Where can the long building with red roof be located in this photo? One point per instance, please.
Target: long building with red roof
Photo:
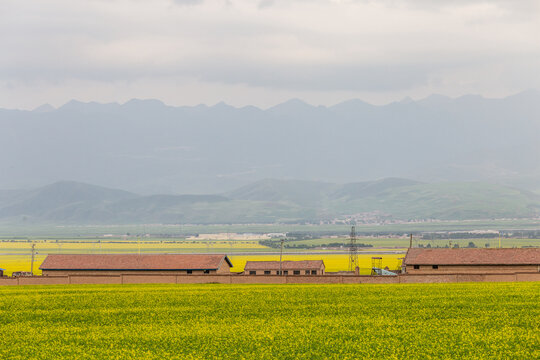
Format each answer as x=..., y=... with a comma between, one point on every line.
x=301, y=267
x=468, y=261
x=156, y=264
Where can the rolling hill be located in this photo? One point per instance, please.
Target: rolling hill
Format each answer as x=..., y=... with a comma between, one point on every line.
x=269, y=201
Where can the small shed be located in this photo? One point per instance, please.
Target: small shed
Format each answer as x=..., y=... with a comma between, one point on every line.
x=155, y=264
x=301, y=267
x=2, y=271
x=470, y=261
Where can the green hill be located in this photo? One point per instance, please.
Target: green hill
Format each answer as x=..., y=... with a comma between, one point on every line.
x=302, y=193
x=448, y=201
x=270, y=201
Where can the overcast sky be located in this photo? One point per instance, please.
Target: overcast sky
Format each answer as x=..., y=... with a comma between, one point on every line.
x=187, y=52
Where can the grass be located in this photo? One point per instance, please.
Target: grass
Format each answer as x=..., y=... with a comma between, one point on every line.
x=420, y=321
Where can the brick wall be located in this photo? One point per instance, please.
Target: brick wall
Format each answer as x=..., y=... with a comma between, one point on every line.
x=472, y=269
x=261, y=279
x=226, y=270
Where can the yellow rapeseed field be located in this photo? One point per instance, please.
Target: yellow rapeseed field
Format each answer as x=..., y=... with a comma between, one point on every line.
x=332, y=262
x=20, y=263
x=213, y=321
x=16, y=256
x=337, y=262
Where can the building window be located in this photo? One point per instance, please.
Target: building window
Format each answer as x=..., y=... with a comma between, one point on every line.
x=313, y=272
x=267, y=272
x=435, y=266
x=286, y=272
x=416, y=267
x=207, y=271
x=296, y=272
x=278, y=272
x=307, y=272
x=190, y=272
x=252, y=272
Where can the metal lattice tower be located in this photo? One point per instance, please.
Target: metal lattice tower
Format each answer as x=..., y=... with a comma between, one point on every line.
x=353, y=251
x=376, y=261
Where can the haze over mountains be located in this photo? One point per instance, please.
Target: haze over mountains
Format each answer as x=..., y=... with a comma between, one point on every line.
x=269, y=201
x=146, y=147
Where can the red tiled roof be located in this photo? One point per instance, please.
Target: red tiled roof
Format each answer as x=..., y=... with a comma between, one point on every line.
x=518, y=256
x=286, y=265
x=134, y=262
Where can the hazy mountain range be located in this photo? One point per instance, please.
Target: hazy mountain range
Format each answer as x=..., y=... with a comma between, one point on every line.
x=147, y=147
x=269, y=201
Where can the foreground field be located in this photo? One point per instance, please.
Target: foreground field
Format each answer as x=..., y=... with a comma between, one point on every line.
x=475, y=321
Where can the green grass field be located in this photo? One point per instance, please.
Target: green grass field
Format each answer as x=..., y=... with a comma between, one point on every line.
x=78, y=231
x=421, y=321
x=403, y=242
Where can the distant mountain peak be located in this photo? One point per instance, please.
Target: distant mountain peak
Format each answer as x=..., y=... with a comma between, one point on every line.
x=470, y=97
x=222, y=105
x=292, y=105
x=44, y=108
x=435, y=100
x=295, y=101
x=351, y=103
x=72, y=105
x=406, y=100
x=527, y=95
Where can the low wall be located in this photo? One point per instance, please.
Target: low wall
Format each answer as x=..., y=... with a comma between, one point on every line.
x=148, y=279
x=43, y=280
x=267, y=279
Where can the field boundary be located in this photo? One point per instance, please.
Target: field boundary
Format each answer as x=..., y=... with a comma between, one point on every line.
x=266, y=279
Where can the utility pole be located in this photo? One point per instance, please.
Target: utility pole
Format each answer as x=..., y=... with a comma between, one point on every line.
x=410, y=241
x=353, y=252
x=281, y=257
x=32, y=261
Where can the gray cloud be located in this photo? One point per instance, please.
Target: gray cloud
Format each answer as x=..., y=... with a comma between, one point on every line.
x=292, y=47
x=319, y=77
x=266, y=4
